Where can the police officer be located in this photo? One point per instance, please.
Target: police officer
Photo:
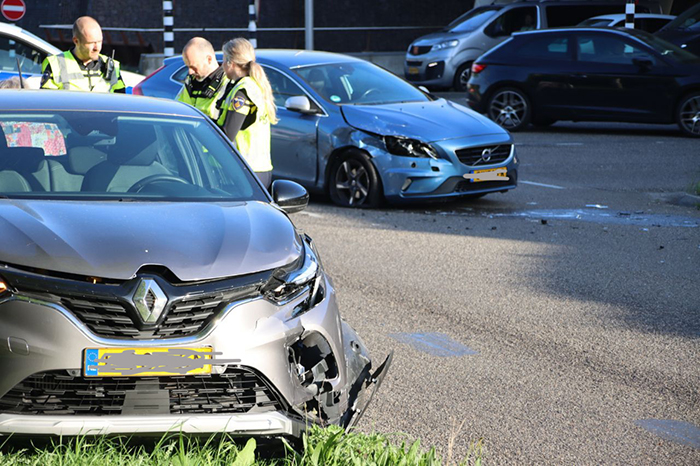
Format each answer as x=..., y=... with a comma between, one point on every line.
x=83, y=68
x=249, y=109
x=205, y=85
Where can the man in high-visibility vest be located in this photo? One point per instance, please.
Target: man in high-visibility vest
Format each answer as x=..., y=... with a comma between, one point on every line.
x=83, y=68
x=205, y=85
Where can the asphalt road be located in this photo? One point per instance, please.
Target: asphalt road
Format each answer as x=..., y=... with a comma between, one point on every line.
x=557, y=332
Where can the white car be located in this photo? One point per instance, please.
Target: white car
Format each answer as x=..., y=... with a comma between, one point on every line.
x=645, y=21
x=31, y=51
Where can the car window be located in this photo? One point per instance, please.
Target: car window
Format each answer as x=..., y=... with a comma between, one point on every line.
x=570, y=15
x=652, y=24
x=471, y=20
x=180, y=75
x=111, y=155
x=30, y=59
x=282, y=86
x=358, y=83
x=597, y=23
x=609, y=49
x=513, y=20
x=546, y=47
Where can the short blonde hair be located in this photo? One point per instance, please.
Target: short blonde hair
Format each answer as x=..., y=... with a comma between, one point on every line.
x=11, y=83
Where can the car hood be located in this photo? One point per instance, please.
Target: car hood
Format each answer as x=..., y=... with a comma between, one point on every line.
x=195, y=241
x=427, y=121
x=437, y=37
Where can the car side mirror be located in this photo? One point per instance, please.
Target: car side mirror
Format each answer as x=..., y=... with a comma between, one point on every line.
x=289, y=196
x=299, y=103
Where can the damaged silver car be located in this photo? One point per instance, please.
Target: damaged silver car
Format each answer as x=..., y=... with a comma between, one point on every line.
x=150, y=284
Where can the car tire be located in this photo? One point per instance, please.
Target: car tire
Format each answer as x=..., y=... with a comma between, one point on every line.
x=462, y=75
x=354, y=182
x=510, y=108
x=688, y=114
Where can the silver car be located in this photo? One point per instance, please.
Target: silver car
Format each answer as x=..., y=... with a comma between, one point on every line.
x=444, y=59
x=149, y=284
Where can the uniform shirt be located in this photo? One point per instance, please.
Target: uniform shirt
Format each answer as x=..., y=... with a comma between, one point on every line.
x=207, y=94
x=242, y=116
x=95, y=69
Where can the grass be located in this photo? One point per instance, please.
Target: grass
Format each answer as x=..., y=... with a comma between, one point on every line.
x=329, y=446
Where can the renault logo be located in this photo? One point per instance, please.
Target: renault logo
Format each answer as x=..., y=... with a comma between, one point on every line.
x=149, y=300
x=486, y=154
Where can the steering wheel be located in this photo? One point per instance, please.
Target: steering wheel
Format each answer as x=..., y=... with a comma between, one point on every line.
x=369, y=92
x=139, y=185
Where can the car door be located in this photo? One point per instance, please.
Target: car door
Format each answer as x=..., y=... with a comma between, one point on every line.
x=616, y=77
x=11, y=49
x=294, y=147
x=549, y=60
x=511, y=20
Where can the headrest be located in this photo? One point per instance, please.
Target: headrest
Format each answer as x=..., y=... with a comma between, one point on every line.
x=22, y=159
x=83, y=158
x=136, y=145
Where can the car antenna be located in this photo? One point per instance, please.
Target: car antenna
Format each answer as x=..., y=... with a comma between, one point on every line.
x=19, y=70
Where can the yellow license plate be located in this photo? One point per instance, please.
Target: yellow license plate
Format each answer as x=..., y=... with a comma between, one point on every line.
x=140, y=362
x=413, y=70
x=499, y=173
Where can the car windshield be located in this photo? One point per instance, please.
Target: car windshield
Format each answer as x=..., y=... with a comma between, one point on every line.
x=119, y=156
x=668, y=49
x=471, y=20
x=687, y=20
x=359, y=83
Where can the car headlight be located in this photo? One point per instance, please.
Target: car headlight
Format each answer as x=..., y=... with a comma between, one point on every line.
x=409, y=147
x=448, y=44
x=303, y=277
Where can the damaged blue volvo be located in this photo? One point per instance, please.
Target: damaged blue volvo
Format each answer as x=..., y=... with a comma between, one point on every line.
x=363, y=135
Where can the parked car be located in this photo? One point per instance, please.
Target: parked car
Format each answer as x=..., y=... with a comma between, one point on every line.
x=644, y=21
x=444, y=59
x=684, y=31
x=149, y=283
x=31, y=50
x=587, y=74
x=349, y=128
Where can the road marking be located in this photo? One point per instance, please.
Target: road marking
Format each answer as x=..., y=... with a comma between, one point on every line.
x=437, y=344
x=676, y=431
x=542, y=184
x=569, y=144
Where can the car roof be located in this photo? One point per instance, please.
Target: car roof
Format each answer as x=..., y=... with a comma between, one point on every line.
x=25, y=99
x=615, y=30
x=289, y=58
x=18, y=32
x=619, y=16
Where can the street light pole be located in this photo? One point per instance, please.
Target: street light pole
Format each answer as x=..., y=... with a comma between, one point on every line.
x=309, y=24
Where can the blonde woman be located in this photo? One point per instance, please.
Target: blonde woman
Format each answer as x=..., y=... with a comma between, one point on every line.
x=249, y=109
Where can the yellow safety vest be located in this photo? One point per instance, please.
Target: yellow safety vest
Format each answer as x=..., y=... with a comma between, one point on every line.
x=253, y=142
x=206, y=105
x=68, y=75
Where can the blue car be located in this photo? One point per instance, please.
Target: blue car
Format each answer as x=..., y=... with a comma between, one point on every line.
x=363, y=135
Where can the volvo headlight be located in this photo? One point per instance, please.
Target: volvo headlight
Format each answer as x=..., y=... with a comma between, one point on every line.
x=301, y=278
x=409, y=147
x=448, y=44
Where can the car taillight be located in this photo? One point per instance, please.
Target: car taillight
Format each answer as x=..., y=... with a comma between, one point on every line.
x=477, y=68
x=3, y=287
x=137, y=88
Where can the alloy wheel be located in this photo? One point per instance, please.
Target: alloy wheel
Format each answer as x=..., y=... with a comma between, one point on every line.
x=509, y=109
x=352, y=182
x=690, y=115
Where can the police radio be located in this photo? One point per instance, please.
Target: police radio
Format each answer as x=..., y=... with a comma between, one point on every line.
x=110, y=67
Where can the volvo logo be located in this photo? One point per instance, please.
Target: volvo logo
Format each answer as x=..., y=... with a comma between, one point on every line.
x=149, y=300
x=486, y=154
